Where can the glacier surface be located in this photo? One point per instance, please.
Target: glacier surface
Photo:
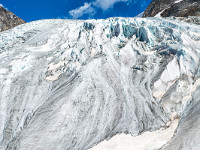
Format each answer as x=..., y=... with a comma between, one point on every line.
x=70, y=84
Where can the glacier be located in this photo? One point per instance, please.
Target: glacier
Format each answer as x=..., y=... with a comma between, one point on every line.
x=70, y=84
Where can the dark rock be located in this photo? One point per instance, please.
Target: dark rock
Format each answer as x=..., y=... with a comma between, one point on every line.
x=8, y=19
x=169, y=8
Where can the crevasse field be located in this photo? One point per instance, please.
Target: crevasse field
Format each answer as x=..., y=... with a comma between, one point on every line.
x=68, y=85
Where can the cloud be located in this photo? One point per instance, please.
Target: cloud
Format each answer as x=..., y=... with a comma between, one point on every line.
x=85, y=9
x=90, y=8
x=106, y=4
x=143, y=4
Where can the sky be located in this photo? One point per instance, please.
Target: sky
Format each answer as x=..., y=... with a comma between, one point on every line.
x=30, y=10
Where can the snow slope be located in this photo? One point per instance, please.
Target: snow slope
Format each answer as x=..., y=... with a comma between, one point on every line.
x=70, y=84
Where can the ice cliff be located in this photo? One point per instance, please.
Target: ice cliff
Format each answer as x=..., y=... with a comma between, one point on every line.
x=69, y=84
